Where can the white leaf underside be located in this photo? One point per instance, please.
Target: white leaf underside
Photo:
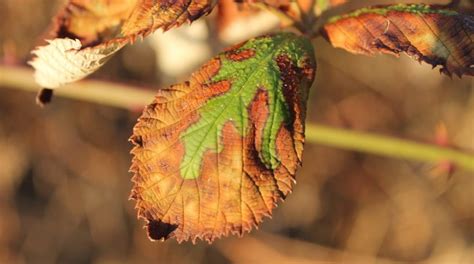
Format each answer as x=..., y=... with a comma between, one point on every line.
x=64, y=61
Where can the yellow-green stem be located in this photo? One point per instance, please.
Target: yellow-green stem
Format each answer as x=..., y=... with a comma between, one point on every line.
x=386, y=146
x=128, y=97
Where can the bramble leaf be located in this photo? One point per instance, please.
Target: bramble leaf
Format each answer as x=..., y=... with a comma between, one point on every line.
x=432, y=34
x=87, y=32
x=214, y=154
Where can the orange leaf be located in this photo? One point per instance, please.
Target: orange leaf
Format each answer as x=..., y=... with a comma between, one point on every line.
x=214, y=154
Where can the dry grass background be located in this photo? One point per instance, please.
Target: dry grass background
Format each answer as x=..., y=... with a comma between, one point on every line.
x=64, y=183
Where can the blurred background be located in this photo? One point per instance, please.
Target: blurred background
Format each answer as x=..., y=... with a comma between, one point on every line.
x=64, y=184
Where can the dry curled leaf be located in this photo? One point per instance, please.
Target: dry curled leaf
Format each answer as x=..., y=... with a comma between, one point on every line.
x=151, y=15
x=213, y=155
x=87, y=32
x=432, y=34
x=64, y=60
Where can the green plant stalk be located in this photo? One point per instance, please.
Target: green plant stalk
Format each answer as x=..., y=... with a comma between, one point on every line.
x=386, y=146
x=122, y=96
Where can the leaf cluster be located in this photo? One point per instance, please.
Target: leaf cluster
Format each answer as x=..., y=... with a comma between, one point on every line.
x=236, y=128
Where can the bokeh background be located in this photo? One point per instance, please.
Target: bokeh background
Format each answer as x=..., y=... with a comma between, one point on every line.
x=64, y=184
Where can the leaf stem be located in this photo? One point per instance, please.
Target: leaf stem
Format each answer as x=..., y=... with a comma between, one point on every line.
x=283, y=15
x=128, y=97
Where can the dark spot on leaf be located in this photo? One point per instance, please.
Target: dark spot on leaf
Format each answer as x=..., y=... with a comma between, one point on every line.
x=158, y=230
x=291, y=76
x=44, y=97
x=281, y=194
x=284, y=8
x=137, y=141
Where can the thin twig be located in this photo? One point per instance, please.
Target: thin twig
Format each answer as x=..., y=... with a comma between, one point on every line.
x=104, y=93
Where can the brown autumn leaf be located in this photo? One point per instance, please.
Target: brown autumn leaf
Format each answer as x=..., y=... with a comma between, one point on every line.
x=92, y=22
x=150, y=15
x=87, y=32
x=432, y=34
x=215, y=154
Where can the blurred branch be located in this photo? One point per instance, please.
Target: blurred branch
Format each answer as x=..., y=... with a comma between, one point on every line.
x=386, y=146
x=128, y=97
x=100, y=92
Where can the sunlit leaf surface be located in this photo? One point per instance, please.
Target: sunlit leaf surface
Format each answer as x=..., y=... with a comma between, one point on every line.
x=431, y=34
x=213, y=155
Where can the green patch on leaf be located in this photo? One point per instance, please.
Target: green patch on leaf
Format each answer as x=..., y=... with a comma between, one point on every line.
x=247, y=76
